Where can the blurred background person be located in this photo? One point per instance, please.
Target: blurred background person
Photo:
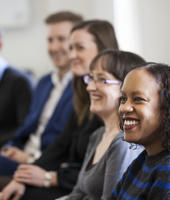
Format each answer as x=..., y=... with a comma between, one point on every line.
x=52, y=100
x=87, y=40
x=15, y=98
x=138, y=26
x=55, y=173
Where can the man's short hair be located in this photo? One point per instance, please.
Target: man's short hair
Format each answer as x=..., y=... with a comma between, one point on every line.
x=64, y=16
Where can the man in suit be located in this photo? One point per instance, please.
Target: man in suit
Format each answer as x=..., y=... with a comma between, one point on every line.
x=52, y=100
x=15, y=98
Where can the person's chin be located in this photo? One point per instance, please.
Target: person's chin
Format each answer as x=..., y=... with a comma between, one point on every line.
x=131, y=136
x=94, y=110
x=78, y=73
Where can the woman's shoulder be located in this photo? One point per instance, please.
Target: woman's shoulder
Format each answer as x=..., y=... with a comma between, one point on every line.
x=119, y=142
x=126, y=151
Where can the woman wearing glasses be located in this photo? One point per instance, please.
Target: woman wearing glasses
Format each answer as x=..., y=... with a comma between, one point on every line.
x=107, y=156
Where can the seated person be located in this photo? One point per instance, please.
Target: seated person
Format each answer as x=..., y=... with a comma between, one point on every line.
x=55, y=173
x=145, y=115
x=108, y=155
x=15, y=98
x=52, y=100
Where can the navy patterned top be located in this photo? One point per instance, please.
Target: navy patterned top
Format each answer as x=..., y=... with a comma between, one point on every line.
x=147, y=178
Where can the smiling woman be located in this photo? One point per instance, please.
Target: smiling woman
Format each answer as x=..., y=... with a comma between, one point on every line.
x=87, y=39
x=145, y=114
x=101, y=92
x=82, y=51
x=140, y=110
x=107, y=155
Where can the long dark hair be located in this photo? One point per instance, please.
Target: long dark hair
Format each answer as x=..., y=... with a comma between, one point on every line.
x=105, y=38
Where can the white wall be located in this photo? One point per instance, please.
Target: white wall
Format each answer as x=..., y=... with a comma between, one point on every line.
x=126, y=24
x=26, y=47
x=154, y=17
x=143, y=27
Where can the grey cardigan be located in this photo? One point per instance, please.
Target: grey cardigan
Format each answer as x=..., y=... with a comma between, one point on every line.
x=96, y=182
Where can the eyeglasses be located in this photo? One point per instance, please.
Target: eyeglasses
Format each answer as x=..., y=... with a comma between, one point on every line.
x=101, y=81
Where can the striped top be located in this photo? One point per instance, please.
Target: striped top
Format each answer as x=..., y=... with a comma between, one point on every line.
x=147, y=178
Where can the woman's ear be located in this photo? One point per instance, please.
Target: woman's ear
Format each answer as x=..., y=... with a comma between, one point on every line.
x=1, y=45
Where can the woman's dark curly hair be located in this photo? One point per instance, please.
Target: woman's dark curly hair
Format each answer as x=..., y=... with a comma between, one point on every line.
x=161, y=73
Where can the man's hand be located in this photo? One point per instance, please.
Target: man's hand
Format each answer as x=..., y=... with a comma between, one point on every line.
x=15, y=154
x=14, y=190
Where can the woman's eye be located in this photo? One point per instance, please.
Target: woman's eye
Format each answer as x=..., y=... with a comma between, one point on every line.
x=91, y=77
x=123, y=99
x=101, y=80
x=138, y=99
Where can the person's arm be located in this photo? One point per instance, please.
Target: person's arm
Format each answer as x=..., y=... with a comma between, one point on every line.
x=68, y=174
x=22, y=97
x=36, y=176
x=119, y=157
x=49, y=161
x=15, y=154
x=13, y=189
x=77, y=193
x=30, y=122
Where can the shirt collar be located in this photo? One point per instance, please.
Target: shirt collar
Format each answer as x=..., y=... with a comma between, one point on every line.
x=55, y=78
x=3, y=66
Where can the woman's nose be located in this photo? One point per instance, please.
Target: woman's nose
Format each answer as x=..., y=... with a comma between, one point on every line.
x=91, y=86
x=125, y=107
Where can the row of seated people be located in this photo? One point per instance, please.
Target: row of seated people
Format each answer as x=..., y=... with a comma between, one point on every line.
x=55, y=172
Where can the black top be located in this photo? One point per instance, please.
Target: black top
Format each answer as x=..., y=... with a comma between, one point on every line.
x=15, y=99
x=67, y=153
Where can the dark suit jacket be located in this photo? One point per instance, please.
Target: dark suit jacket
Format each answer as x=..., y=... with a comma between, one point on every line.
x=57, y=121
x=15, y=99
